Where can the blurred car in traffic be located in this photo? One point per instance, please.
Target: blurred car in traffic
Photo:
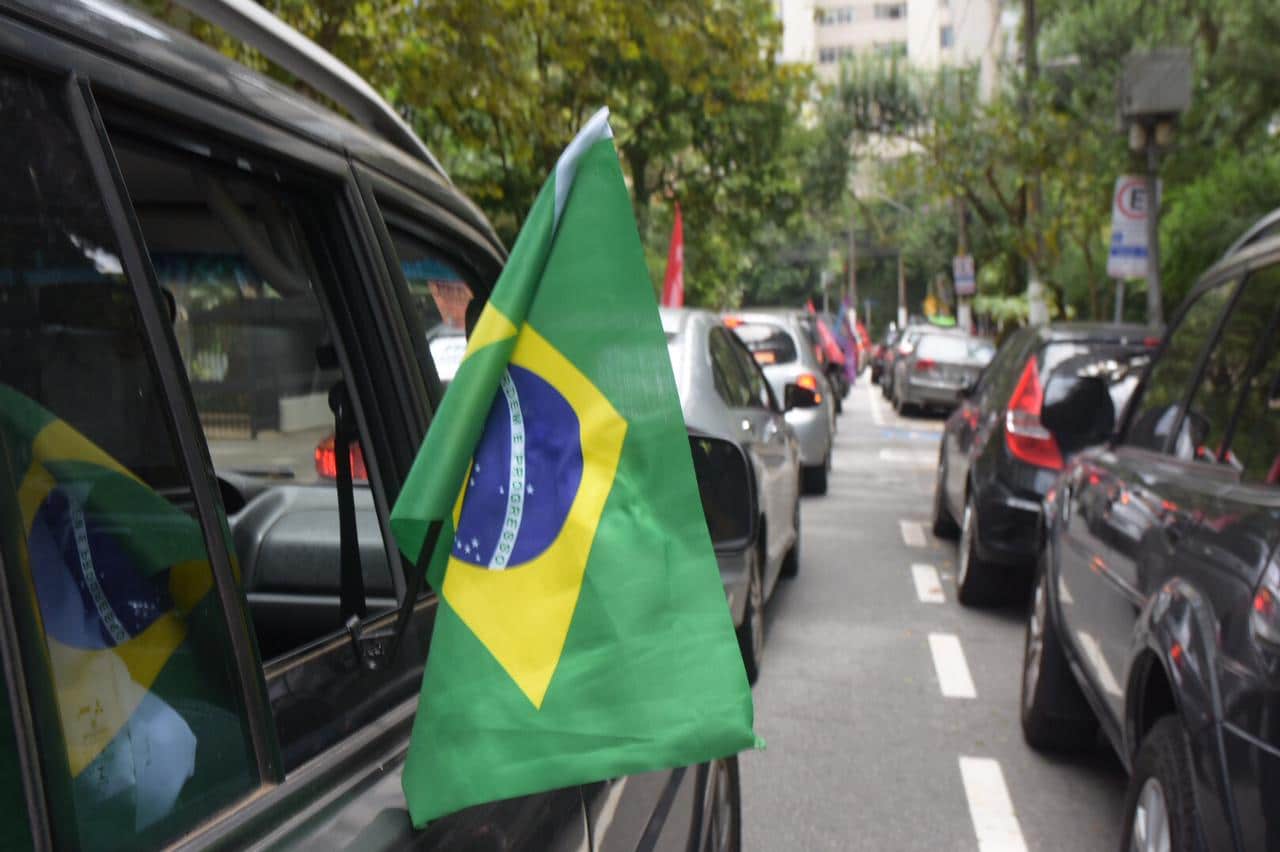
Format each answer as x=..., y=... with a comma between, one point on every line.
x=880, y=352
x=1003, y=447
x=724, y=395
x=781, y=343
x=831, y=355
x=939, y=365
x=1156, y=608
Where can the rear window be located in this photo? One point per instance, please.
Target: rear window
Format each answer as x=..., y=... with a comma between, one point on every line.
x=769, y=343
x=955, y=349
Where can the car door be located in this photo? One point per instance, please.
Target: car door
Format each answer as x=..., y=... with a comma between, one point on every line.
x=1116, y=543
x=778, y=452
x=977, y=416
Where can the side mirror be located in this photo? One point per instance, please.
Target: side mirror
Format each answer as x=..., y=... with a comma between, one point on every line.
x=727, y=488
x=795, y=396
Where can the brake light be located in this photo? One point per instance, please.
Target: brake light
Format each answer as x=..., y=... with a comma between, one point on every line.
x=923, y=365
x=733, y=322
x=808, y=381
x=1151, y=342
x=327, y=461
x=1264, y=615
x=1024, y=434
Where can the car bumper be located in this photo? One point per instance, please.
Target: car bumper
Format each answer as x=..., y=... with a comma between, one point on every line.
x=813, y=433
x=1008, y=525
x=735, y=575
x=917, y=392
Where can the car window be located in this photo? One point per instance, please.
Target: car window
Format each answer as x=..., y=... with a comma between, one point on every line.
x=1253, y=439
x=955, y=349
x=439, y=293
x=15, y=828
x=1203, y=431
x=1003, y=371
x=731, y=384
x=760, y=394
x=1156, y=409
x=125, y=635
x=768, y=343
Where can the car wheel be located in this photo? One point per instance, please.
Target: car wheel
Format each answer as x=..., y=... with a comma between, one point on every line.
x=944, y=526
x=1160, y=813
x=901, y=406
x=751, y=633
x=1055, y=716
x=722, y=804
x=815, y=477
x=791, y=562
x=975, y=580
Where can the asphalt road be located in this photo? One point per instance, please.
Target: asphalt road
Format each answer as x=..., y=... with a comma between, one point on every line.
x=890, y=711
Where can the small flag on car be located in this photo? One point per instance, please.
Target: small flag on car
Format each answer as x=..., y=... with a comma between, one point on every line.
x=582, y=631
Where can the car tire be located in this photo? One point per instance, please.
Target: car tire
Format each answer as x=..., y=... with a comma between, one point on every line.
x=1160, y=795
x=1055, y=715
x=975, y=579
x=944, y=526
x=901, y=406
x=751, y=633
x=722, y=807
x=791, y=562
x=815, y=477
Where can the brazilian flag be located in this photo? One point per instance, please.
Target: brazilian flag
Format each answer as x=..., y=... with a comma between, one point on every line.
x=582, y=632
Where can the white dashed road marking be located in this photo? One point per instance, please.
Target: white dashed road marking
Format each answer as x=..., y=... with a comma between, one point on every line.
x=917, y=458
x=990, y=807
x=949, y=663
x=875, y=404
x=928, y=586
x=912, y=533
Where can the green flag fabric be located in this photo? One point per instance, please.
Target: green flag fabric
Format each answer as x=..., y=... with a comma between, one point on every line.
x=583, y=631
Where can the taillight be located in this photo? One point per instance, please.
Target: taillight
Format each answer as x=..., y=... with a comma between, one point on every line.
x=1264, y=614
x=1024, y=434
x=327, y=461
x=733, y=322
x=808, y=381
x=923, y=365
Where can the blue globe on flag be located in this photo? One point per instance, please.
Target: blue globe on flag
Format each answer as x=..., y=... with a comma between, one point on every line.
x=525, y=474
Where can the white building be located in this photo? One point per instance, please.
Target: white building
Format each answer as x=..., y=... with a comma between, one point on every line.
x=929, y=34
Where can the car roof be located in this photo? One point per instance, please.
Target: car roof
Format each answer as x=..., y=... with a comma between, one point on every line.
x=677, y=320
x=1102, y=332
x=129, y=35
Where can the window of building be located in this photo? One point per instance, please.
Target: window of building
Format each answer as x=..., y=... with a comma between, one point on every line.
x=835, y=15
x=891, y=11
x=946, y=37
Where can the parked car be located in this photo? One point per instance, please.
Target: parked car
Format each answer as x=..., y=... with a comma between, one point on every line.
x=880, y=353
x=205, y=275
x=782, y=345
x=724, y=394
x=1005, y=444
x=901, y=348
x=1156, y=608
x=940, y=365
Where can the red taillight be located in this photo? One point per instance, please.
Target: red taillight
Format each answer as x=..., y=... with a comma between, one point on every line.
x=1151, y=342
x=808, y=381
x=1024, y=434
x=327, y=461
x=1264, y=620
x=925, y=364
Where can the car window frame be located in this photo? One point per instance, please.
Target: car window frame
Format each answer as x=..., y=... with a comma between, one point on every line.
x=748, y=364
x=718, y=331
x=1220, y=278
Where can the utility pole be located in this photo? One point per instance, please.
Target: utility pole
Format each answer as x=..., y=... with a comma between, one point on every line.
x=902, y=293
x=853, y=269
x=1037, y=310
x=964, y=311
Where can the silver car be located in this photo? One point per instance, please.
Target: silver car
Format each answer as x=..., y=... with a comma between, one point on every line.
x=724, y=394
x=781, y=343
x=935, y=366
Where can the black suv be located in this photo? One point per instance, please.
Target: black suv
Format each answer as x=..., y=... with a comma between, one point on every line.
x=1003, y=447
x=1156, y=610
x=214, y=376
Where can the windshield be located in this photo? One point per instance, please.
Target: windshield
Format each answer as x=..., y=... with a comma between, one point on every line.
x=955, y=349
x=769, y=343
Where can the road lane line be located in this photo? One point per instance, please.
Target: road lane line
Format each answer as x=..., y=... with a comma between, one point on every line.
x=912, y=533
x=875, y=404
x=950, y=665
x=928, y=586
x=990, y=807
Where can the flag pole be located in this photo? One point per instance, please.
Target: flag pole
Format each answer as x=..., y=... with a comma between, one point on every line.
x=377, y=650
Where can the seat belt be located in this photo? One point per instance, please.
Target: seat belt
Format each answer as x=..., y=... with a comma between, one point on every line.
x=351, y=594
